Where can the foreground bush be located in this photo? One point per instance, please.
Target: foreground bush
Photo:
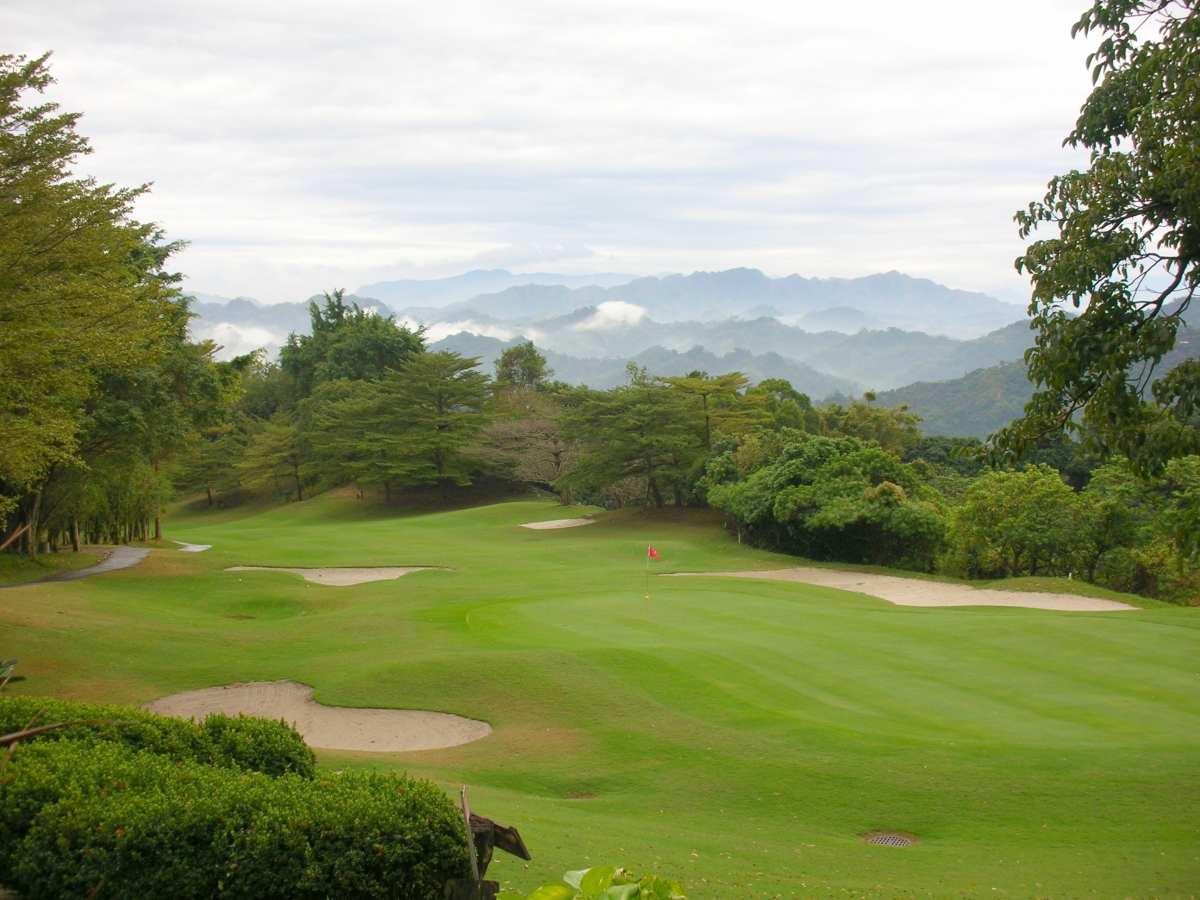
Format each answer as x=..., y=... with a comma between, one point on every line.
x=609, y=883
x=258, y=745
x=153, y=822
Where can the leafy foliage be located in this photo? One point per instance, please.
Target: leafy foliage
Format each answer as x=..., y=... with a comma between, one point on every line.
x=609, y=883
x=150, y=826
x=829, y=498
x=1110, y=290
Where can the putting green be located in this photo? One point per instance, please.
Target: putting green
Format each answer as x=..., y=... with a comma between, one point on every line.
x=737, y=734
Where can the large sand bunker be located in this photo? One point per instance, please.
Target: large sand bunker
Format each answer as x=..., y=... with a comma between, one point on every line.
x=339, y=577
x=559, y=523
x=327, y=727
x=915, y=592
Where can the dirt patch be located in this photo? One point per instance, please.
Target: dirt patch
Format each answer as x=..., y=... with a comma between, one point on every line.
x=915, y=592
x=338, y=577
x=559, y=523
x=327, y=727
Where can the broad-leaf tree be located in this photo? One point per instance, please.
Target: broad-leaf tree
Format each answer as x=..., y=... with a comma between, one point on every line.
x=82, y=285
x=1115, y=277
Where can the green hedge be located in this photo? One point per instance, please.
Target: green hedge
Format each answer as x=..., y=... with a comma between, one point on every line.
x=155, y=824
x=258, y=745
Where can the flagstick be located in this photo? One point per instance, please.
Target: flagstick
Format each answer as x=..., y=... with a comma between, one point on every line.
x=647, y=574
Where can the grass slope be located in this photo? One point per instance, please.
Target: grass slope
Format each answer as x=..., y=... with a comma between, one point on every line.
x=738, y=735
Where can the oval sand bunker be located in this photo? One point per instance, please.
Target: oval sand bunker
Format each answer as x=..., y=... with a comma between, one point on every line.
x=560, y=523
x=327, y=727
x=339, y=577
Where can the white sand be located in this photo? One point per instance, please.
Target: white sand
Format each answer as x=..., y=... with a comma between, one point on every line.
x=327, y=727
x=192, y=548
x=915, y=592
x=560, y=523
x=339, y=577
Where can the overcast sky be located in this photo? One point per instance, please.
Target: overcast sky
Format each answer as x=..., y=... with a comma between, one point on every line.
x=306, y=146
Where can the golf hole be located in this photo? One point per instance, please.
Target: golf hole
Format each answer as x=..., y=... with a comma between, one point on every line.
x=890, y=839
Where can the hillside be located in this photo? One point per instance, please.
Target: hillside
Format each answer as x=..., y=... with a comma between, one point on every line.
x=975, y=405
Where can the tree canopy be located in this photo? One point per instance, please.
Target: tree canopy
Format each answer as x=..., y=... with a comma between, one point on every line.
x=1113, y=283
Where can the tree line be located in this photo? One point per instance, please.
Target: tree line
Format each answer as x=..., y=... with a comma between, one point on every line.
x=108, y=409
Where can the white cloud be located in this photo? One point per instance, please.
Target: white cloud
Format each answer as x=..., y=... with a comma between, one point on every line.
x=611, y=314
x=236, y=340
x=439, y=330
x=307, y=146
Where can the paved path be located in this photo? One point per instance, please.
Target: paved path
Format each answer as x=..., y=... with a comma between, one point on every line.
x=119, y=558
x=917, y=592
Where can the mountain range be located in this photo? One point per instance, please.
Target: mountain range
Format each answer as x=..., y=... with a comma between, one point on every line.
x=888, y=300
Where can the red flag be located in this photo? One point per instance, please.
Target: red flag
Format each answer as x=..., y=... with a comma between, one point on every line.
x=651, y=553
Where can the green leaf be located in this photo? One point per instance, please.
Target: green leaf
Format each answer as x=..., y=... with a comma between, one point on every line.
x=619, y=892
x=574, y=877
x=595, y=881
x=553, y=892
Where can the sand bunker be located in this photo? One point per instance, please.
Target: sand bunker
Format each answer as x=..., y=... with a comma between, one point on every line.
x=339, y=577
x=915, y=592
x=192, y=548
x=560, y=523
x=327, y=727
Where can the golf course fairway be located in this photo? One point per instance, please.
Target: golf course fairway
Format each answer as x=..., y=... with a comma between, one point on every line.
x=738, y=735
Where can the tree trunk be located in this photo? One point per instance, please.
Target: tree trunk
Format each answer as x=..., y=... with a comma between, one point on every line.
x=74, y=534
x=157, y=511
x=656, y=494
x=387, y=491
x=31, y=536
x=210, y=500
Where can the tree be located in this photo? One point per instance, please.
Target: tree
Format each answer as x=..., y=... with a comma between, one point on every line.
x=82, y=287
x=1015, y=523
x=787, y=407
x=829, y=498
x=522, y=366
x=524, y=440
x=346, y=342
x=276, y=453
x=1112, y=286
x=640, y=430
x=721, y=404
x=895, y=429
x=439, y=400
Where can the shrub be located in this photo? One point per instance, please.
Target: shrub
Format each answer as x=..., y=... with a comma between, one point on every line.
x=77, y=812
x=609, y=883
x=258, y=745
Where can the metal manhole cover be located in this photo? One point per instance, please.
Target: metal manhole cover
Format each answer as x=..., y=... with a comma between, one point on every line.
x=890, y=840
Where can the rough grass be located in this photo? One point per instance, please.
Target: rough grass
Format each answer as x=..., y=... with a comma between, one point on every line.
x=738, y=735
x=17, y=568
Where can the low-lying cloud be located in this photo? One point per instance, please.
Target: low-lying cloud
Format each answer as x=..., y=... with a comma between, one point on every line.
x=611, y=314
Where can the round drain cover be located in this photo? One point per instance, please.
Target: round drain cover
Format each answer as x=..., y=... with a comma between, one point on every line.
x=891, y=840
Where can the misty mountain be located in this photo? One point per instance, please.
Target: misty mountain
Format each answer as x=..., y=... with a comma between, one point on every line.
x=438, y=292
x=608, y=372
x=888, y=300
x=877, y=360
